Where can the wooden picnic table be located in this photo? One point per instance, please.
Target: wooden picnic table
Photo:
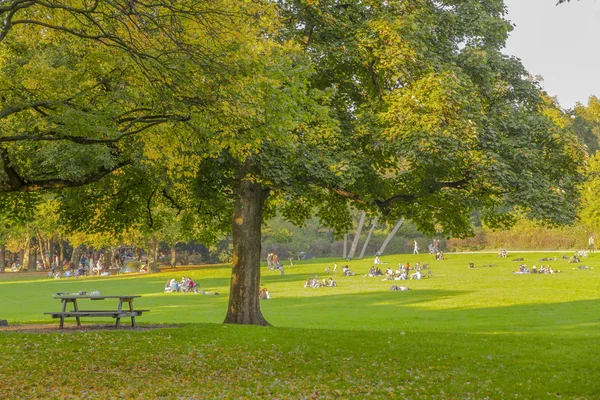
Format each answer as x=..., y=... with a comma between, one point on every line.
x=78, y=313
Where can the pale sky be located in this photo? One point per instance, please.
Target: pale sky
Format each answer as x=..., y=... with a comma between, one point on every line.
x=560, y=43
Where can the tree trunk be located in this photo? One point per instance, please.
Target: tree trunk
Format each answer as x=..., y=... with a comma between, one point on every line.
x=364, y=248
x=156, y=251
x=244, y=306
x=2, y=258
x=173, y=257
x=21, y=256
x=32, y=258
x=150, y=251
x=51, y=250
x=357, y=235
x=75, y=255
x=345, y=251
x=61, y=246
x=112, y=262
x=42, y=249
x=26, y=255
x=390, y=236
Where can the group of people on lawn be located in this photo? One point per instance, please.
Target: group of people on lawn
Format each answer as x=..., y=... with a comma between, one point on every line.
x=315, y=283
x=535, y=270
x=402, y=273
x=186, y=285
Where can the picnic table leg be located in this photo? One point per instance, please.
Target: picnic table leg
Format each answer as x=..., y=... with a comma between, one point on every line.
x=118, y=324
x=131, y=310
x=62, y=315
x=75, y=308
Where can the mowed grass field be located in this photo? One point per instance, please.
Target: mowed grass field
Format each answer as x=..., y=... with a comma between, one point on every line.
x=463, y=334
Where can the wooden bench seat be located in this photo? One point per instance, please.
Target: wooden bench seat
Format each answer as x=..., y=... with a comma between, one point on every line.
x=97, y=313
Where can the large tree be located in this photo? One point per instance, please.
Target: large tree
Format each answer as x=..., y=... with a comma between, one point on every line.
x=405, y=108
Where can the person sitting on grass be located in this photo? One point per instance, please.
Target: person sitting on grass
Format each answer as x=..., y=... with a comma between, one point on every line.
x=542, y=270
x=331, y=283
x=312, y=282
x=263, y=294
x=315, y=282
x=346, y=271
x=401, y=274
x=523, y=270
x=389, y=274
x=416, y=275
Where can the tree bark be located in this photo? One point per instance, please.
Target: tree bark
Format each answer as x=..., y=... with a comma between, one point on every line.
x=75, y=255
x=173, y=257
x=150, y=251
x=26, y=255
x=390, y=236
x=51, y=249
x=2, y=258
x=244, y=306
x=357, y=235
x=42, y=249
x=61, y=245
x=32, y=258
x=21, y=256
x=345, y=251
x=364, y=248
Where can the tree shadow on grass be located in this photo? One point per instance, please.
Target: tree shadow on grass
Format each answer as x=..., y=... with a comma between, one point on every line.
x=408, y=311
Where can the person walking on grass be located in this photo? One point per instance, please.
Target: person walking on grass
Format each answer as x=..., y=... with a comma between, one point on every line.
x=591, y=243
x=416, y=248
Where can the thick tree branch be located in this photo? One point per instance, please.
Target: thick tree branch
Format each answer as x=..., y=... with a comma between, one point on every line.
x=14, y=179
x=16, y=183
x=174, y=204
x=57, y=136
x=149, y=208
x=385, y=204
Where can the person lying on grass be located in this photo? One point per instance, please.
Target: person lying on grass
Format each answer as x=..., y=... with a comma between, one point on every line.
x=399, y=288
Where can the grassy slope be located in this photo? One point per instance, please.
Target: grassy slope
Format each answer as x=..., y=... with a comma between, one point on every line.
x=466, y=333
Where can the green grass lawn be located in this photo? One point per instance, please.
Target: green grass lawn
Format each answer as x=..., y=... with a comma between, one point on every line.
x=465, y=333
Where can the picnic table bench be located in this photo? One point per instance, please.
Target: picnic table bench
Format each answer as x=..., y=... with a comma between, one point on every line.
x=77, y=313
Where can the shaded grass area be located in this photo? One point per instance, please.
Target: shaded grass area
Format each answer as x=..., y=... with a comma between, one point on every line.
x=466, y=333
x=217, y=361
